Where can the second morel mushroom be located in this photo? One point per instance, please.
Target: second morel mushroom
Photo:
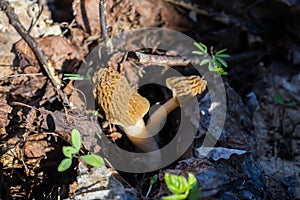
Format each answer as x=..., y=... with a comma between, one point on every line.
x=125, y=107
x=184, y=89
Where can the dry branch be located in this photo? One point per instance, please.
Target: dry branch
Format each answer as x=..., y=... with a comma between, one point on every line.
x=102, y=15
x=150, y=59
x=14, y=21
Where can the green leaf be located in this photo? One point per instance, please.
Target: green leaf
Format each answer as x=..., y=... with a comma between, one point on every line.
x=216, y=62
x=198, y=53
x=175, y=197
x=93, y=160
x=291, y=104
x=223, y=62
x=191, y=180
x=69, y=151
x=223, y=73
x=194, y=192
x=72, y=75
x=204, y=62
x=221, y=51
x=220, y=71
x=76, y=139
x=74, y=78
x=64, y=164
x=210, y=66
x=153, y=179
x=88, y=73
x=223, y=55
x=202, y=47
x=215, y=68
x=199, y=47
x=279, y=98
x=176, y=184
x=96, y=112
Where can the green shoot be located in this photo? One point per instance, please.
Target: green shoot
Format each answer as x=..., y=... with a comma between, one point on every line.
x=182, y=188
x=214, y=61
x=193, y=187
x=96, y=113
x=79, y=77
x=65, y=164
x=73, y=151
x=153, y=180
x=280, y=99
x=75, y=77
x=76, y=139
x=93, y=160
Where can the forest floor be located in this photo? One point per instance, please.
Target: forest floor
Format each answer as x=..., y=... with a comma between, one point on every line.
x=255, y=157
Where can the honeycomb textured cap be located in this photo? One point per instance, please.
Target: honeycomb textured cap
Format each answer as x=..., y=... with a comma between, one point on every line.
x=186, y=86
x=122, y=105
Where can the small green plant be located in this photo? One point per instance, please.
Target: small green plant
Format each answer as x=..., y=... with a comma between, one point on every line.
x=79, y=77
x=72, y=151
x=182, y=188
x=280, y=99
x=153, y=180
x=75, y=77
x=96, y=113
x=214, y=61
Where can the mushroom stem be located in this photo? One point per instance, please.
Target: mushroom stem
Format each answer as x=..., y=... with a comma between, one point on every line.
x=184, y=89
x=140, y=137
x=171, y=105
x=158, y=118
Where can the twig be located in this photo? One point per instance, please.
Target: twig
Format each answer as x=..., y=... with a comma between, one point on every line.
x=150, y=59
x=35, y=20
x=102, y=14
x=14, y=21
x=163, y=60
x=18, y=75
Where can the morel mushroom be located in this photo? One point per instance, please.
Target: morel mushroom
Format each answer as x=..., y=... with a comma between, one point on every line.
x=125, y=107
x=184, y=89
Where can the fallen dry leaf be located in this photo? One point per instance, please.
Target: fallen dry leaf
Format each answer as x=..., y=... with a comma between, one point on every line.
x=49, y=94
x=35, y=149
x=115, y=135
x=27, y=87
x=87, y=15
x=27, y=11
x=9, y=158
x=56, y=48
x=5, y=109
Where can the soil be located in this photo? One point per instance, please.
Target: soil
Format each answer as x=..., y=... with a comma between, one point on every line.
x=257, y=154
